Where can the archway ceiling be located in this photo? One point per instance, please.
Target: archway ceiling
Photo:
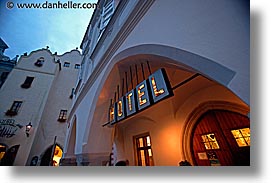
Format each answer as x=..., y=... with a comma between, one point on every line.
x=176, y=74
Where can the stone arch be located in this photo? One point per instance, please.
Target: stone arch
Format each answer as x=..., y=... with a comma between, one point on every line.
x=182, y=58
x=70, y=149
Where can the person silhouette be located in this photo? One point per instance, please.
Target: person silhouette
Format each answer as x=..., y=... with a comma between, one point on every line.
x=184, y=163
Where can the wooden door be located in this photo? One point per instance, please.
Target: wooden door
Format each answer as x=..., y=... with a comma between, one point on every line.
x=221, y=138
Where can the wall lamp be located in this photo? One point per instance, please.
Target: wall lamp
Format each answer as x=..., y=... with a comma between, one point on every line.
x=28, y=128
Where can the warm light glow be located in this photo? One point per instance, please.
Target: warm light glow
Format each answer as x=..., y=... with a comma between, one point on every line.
x=140, y=94
x=129, y=101
x=150, y=152
x=57, y=156
x=144, y=151
x=142, y=156
x=148, y=141
x=112, y=114
x=28, y=127
x=156, y=91
x=119, y=108
x=242, y=136
x=63, y=115
x=140, y=142
x=2, y=155
x=2, y=151
x=210, y=141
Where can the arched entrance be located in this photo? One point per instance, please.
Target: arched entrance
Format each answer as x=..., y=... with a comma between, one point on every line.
x=3, y=149
x=190, y=89
x=52, y=156
x=9, y=157
x=221, y=138
x=72, y=139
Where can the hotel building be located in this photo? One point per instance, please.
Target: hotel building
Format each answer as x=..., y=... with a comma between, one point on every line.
x=163, y=82
x=35, y=102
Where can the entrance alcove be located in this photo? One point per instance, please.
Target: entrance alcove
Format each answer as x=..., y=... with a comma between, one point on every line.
x=191, y=87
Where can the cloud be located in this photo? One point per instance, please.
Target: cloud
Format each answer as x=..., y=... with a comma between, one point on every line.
x=29, y=29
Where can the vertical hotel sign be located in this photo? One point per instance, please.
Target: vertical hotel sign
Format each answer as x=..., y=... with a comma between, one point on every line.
x=145, y=94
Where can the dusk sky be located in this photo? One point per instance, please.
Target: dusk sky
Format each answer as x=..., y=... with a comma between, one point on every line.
x=26, y=30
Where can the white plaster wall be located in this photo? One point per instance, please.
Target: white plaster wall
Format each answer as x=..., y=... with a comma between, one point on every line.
x=58, y=99
x=34, y=99
x=27, y=62
x=42, y=102
x=217, y=30
x=82, y=115
x=85, y=114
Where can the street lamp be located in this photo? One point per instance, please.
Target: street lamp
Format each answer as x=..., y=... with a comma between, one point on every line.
x=28, y=128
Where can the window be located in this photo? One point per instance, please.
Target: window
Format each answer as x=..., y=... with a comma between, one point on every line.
x=28, y=82
x=66, y=64
x=4, y=75
x=242, y=136
x=72, y=93
x=62, y=116
x=144, y=150
x=77, y=66
x=209, y=141
x=39, y=62
x=14, y=108
x=107, y=12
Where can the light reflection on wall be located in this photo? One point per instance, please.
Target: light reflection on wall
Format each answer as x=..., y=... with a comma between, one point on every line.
x=172, y=139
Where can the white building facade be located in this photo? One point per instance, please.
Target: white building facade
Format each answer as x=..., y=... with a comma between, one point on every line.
x=165, y=82
x=38, y=92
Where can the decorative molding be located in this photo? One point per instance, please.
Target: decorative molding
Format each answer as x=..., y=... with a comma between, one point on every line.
x=35, y=51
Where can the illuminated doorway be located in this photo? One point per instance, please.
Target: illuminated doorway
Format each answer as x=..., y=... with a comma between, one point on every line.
x=57, y=155
x=9, y=157
x=3, y=150
x=221, y=138
x=52, y=156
